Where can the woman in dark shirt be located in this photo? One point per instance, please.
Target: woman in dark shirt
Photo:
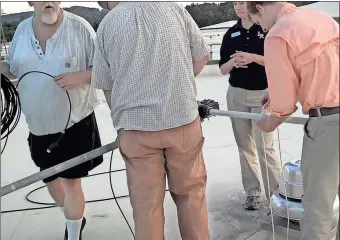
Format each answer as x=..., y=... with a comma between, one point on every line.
x=241, y=56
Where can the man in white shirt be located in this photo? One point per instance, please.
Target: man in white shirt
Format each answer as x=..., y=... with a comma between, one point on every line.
x=61, y=45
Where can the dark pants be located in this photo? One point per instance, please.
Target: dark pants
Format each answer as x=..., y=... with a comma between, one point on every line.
x=82, y=137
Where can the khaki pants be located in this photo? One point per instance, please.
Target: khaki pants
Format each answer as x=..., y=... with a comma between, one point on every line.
x=320, y=170
x=177, y=153
x=249, y=139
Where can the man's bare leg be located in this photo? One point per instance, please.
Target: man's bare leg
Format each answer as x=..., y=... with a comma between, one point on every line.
x=69, y=196
x=74, y=206
x=56, y=190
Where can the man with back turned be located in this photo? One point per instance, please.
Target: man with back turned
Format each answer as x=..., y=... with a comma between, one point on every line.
x=147, y=56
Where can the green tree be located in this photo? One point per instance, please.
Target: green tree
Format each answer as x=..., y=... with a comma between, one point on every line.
x=207, y=14
x=204, y=14
x=9, y=30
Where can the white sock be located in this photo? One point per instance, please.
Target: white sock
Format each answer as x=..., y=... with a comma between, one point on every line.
x=73, y=229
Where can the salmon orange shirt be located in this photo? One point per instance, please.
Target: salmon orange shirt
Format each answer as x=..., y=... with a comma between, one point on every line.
x=301, y=55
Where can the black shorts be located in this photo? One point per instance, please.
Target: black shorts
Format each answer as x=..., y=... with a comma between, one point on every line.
x=82, y=137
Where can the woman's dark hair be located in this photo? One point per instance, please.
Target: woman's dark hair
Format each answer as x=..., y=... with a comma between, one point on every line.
x=251, y=6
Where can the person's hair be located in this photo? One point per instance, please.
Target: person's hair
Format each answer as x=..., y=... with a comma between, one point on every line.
x=251, y=6
x=104, y=4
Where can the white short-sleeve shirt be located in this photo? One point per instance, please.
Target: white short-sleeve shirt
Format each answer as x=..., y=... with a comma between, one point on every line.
x=71, y=49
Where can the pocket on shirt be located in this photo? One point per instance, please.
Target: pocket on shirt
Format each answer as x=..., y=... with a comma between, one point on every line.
x=68, y=64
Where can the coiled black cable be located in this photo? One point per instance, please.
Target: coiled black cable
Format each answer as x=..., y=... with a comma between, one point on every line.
x=11, y=108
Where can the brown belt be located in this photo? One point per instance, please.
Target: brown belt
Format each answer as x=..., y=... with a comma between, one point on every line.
x=324, y=111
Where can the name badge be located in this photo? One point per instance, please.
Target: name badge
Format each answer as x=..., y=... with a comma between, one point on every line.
x=235, y=34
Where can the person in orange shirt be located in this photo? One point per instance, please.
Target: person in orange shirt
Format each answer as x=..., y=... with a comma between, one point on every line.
x=301, y=55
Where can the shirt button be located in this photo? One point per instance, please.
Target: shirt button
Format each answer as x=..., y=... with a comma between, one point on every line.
x=247, y=38
x=38, y=47
x=40, y=54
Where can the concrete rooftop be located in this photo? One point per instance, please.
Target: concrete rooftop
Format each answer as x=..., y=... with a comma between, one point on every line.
x=228, y=219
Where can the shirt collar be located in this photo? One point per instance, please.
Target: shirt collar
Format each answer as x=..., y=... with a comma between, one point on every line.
x=238, y=25
x=286, y=8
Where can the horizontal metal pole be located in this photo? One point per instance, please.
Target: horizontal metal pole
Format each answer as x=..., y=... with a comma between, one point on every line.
x=205, y=28
x=112, y=146
x=58, y=168
x=253, y=116
x=214, y=43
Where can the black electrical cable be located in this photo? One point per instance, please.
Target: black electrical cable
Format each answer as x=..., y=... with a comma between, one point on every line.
x=3, y=148
x=54, y=144
x=114, y=196
x=53, y=205
x=11, y=108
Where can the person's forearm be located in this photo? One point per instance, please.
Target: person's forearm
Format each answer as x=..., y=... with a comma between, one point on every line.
x=85, y=76
x=107, y=94
x=270, y=123
x=227, y=67
x=200, y=64
x=258, y=59
x=4, y=69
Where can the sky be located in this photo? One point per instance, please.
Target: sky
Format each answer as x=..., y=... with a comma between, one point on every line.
x=17, y=6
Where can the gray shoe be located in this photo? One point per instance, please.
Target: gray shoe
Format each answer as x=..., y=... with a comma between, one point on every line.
x=83, y=223
x=252, y=203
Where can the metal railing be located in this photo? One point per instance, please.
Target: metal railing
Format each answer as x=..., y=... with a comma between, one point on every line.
x=211, y=48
